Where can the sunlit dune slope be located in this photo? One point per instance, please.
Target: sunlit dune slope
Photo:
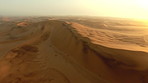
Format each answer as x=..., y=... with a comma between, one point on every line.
x=66, y=52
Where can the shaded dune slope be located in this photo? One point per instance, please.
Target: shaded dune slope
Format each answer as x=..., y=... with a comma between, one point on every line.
x=62, y=52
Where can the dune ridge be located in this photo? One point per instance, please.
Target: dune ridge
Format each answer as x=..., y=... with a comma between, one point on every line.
x=65, y=52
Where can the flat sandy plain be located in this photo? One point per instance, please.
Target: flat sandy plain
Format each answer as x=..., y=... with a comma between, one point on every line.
x=73, y=50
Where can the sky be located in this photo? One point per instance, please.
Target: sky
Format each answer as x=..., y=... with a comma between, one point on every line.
x=112, y=8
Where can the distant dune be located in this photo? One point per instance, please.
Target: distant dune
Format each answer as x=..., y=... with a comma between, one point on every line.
x=22, y=24
x=68, y=52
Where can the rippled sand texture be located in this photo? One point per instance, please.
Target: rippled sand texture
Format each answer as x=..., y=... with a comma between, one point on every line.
x=72, y=52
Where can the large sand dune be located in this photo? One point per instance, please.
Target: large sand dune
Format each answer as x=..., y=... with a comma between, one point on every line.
x=68, y=52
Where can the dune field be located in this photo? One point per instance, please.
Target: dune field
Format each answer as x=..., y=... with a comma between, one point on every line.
x=73, y=50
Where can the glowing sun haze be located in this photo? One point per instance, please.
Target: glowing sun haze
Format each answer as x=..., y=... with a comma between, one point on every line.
x=113, y=8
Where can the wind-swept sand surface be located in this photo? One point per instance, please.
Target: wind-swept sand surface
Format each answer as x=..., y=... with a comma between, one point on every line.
x=69, y=52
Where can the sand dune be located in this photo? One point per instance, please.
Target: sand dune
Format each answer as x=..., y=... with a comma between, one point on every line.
x=68, y=52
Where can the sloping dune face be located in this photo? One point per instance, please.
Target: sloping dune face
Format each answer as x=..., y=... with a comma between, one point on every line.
x=67, y=52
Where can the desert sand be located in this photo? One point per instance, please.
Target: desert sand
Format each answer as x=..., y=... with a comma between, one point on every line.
x=63, y=51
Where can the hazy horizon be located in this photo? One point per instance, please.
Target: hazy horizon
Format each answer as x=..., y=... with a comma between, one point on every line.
x=111, y=8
